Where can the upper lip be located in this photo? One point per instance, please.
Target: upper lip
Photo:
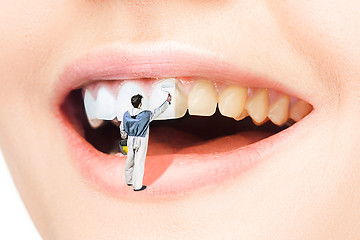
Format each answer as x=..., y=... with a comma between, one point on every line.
x=167, y=60
x=160, y=61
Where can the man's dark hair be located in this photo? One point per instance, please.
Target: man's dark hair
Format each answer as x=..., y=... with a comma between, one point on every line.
x=136, y=100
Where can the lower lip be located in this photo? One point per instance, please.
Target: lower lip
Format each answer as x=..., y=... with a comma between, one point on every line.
x=173, y=175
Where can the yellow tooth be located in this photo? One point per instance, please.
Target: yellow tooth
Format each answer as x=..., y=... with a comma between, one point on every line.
x=202, y=99
x=232, y=101
x=260, y=123
x=242, y=115
x=181, y=102
x=258, y=106
x=279, y=110
x=300, y=110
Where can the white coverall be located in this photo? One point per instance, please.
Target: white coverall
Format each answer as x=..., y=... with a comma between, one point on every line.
x=137, y=148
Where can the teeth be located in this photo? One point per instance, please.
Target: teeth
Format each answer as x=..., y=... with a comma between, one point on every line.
x=95, y=123
x=123, y=102
x=105, y=105
x=300, y=110
x=202, y=99
x=279, y=110
x=89, y=103
x=232, y=101
x=90, y=107
x=258, y=106
x=242, y=115
x=178, y=106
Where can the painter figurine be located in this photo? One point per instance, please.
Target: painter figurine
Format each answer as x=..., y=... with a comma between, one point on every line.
x=135, y=126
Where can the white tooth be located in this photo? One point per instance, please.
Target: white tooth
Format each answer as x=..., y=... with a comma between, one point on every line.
x=105, y=105
x=95, y=123
x=90, y=108
x=178, y=106
x=202, y=99
x=90, y=105
x=123, y=102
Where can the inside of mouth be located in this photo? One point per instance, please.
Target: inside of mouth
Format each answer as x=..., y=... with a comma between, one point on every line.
x=187, y=135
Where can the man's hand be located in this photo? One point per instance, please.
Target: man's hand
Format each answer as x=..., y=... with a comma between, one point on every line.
x=123, y=134
x=169, y=98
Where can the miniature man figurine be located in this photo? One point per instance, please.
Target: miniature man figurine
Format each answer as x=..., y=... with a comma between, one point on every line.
x=135, y=126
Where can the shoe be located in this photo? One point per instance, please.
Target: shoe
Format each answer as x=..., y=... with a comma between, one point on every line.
x=129, y=184
x=142, y=188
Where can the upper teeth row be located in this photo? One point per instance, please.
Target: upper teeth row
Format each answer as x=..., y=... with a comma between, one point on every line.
x=202, y=99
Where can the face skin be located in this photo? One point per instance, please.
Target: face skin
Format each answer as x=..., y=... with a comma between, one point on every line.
x=309, y=190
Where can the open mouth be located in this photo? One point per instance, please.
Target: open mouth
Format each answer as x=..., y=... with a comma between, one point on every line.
x=205, y=116
x=217, y=126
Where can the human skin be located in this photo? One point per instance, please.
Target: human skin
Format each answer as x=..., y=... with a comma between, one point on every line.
x=308, y=190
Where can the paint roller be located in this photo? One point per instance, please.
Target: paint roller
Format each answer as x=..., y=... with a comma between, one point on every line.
x=168, y=87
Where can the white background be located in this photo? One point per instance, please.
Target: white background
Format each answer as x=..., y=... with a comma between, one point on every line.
x=15, y=223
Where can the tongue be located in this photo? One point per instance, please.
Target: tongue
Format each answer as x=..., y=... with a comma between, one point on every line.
x=167, y=140
x=205, y=135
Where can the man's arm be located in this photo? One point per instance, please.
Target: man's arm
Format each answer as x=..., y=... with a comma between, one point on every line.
x=161, y=109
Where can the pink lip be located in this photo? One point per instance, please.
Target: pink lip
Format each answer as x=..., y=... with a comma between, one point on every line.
x=183, y=174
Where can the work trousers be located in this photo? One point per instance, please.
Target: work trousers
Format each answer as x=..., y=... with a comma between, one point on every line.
x=135, y=162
